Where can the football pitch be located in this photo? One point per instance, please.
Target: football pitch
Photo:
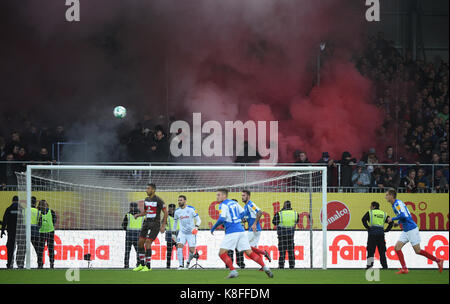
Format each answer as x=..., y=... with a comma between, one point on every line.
x=216, y=276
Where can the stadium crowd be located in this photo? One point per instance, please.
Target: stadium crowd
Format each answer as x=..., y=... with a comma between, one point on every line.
x=412, y=93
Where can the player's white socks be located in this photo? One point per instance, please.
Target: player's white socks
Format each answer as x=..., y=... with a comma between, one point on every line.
x=180, y=256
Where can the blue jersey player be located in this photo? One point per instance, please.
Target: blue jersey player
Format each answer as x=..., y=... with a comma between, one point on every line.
x=230, y=215
x=253, y=214
x=410, y=232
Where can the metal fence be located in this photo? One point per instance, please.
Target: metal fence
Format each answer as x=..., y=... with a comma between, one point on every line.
x=335, y=174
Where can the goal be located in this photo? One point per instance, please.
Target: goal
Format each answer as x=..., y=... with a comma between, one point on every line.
x=88, y=205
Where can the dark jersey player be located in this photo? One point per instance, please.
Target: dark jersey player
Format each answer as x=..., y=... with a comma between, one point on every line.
x=153, y=205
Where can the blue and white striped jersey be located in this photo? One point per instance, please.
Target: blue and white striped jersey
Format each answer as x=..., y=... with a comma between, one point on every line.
x=403, y=216
x=232, y=213
x=250, y=211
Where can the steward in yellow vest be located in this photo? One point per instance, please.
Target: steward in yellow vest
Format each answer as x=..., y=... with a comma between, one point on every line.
x=34, y=224
x=46, y=223
x=374, y=221
x=133, y=228
x=285, y=221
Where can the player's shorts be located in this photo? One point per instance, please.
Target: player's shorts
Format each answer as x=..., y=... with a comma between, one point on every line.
x=182, y=238
x=150, y=229
x=236, y=240
x=253, y=237
x=412, y=236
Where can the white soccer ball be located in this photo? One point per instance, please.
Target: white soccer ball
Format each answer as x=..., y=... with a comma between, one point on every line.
x=120, y=112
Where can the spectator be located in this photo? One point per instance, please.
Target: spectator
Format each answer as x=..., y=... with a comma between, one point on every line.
x=409, y=182
x=139, y=143
x=361, y=178
x=31, y=137
x=60, y=135
x=15, y=151
x=436, y=162
x=426, y=155
x=435, y=159
x=23, y=157
x=301, y=157
x=43, y=155
x=347, y=163
x=371, y=160
x=13, y=143
x=443, y=146
x=423, y=183
x=444, y=114
x=389, y=157
x=440, y=182
x=160, y=146
x=46, y=138
x=444, y=157
x=8, y=169
x=377, y=180
x=326, y=159
x=392, y=179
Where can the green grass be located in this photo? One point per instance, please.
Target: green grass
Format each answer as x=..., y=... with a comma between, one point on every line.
x=215, y=276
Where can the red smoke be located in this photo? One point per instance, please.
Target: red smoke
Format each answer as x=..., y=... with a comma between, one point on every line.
x=229, y=60
x=262, y=66
x=336, y=117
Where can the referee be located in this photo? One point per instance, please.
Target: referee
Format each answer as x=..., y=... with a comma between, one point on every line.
x=374, y=221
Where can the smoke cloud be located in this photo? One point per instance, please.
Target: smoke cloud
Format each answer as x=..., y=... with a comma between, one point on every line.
x=229, y=60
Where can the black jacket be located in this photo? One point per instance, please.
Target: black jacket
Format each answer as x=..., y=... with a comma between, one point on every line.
x=10, y=217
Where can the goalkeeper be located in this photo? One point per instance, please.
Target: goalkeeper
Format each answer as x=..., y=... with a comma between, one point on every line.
x=186, y=215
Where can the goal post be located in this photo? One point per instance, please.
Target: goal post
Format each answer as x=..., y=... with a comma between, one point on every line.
x=80, y=193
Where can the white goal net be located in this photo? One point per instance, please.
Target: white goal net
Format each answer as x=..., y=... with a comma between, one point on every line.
x=77, y=216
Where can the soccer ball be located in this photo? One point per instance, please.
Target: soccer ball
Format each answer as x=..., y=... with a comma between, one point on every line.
x=120, y=112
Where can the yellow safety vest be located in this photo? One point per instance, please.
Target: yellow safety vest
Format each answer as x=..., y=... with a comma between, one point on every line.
x=170, y=221
x=47, y=222
x=377, y=218
x=288, y=218
x=134, y=223
x=34, y=216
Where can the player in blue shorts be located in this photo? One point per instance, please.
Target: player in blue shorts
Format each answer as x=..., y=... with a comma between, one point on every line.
x=410, y=232
x=231, y=214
